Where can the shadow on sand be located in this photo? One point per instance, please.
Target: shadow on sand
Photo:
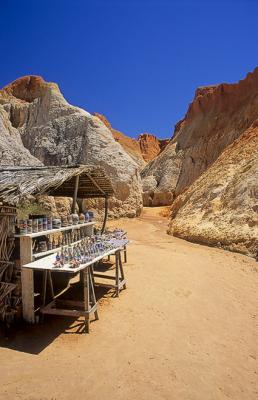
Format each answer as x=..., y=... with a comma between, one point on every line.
x=33, y=339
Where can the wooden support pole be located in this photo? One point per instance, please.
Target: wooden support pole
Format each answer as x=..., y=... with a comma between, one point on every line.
x=77, y=178
x=117, y=273
x=86, y=298
x=105, y=216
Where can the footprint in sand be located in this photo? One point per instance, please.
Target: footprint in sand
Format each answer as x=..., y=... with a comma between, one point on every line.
x=183, y=293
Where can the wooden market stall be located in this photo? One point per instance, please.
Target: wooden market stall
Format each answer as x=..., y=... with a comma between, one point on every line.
x=21, y=183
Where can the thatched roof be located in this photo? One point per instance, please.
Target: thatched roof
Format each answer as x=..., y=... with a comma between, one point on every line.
x=19, y=183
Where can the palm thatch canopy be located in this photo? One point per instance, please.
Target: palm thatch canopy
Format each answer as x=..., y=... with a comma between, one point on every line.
x=19, y=183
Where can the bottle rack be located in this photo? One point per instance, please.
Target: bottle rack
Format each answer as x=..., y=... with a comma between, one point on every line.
x=26, y=241
x=27, y=256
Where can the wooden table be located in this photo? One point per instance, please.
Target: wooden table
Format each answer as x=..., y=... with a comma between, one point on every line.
x=76, y=308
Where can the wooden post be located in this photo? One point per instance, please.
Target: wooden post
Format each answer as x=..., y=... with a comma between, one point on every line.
x=77, y=178
x=27, y=280
x=117, y=272
x=105, y=216
x=86, y=298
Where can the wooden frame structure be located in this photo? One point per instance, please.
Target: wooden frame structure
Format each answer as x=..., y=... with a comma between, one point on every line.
x=78, y=181
x=87, y=271
x=19, y=183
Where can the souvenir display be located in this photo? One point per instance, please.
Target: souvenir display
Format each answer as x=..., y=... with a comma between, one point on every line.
x=64, y=221
x=89, y=248
x=49, y=223
x=56, y=223
x=81, y=218
x=29, y=226
x=75, y=218
x=40, y=224
x=45, y=224
x=22, y=224
x=34, y=225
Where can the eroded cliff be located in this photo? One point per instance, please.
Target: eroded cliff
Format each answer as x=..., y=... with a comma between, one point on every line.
x=57, y=133
x=221, y=207
x=143, y=149
x=217, y=116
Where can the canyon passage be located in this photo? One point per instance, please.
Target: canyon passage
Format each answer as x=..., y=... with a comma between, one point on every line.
x=185, y=328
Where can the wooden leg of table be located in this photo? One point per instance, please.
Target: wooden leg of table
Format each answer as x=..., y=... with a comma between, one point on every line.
x=92, y=290
x=27, y=280
x=51, y=284
x=44, y=288
x=121, y=268
x=86, y=298
x=117, y=273
x=92, y=273
x=125, y=255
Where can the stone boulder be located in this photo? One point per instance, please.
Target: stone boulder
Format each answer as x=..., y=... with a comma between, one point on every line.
x=57, y=133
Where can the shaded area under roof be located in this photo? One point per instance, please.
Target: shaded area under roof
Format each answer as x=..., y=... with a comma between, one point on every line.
x=19, y=183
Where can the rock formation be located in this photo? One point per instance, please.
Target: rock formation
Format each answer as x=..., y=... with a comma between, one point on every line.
x=209, y=169
x=217, y=116
x=143, y=149
x=131, y=146
x=151, y=146
x=12, y=151
x=57, y=133
x=221, y=206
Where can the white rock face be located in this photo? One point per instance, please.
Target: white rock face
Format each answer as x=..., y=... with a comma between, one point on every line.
x=12, y=151
x=159, y=177
x=221, y=207
x=57, y=133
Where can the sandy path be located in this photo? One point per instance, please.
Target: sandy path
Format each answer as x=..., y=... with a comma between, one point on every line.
x=186, y=328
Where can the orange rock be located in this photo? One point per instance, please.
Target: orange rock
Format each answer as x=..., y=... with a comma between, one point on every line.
x=151, y=146
x=143, y=149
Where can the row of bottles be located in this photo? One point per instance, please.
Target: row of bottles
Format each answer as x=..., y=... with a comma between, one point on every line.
x=87, y=250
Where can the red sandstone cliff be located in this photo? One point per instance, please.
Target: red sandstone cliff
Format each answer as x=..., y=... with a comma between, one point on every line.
x=211, y=168
x=131, y=146
x=151, y=146
x=143, y=149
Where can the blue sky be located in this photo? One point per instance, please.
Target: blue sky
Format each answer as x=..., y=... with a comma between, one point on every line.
x=137, y=62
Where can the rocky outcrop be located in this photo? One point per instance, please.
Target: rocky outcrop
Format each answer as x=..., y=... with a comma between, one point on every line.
x=143, y=149
x=210, y=168
x=57, y=133
x=221, y=207
x=217, y=116
x=159, y=178
x=131, y=146
x=151, y=146
x=12, y=151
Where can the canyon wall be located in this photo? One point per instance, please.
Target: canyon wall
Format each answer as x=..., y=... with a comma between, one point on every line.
x=217, y=116
x=131, y=146
x=221, y=207
x=12, y=151
x=143, y=149
x=57, y=133
x=208, y=172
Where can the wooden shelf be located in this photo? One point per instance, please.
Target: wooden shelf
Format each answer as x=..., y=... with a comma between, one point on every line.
x=51, y=231
x=55, y=250
x=47, y=263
